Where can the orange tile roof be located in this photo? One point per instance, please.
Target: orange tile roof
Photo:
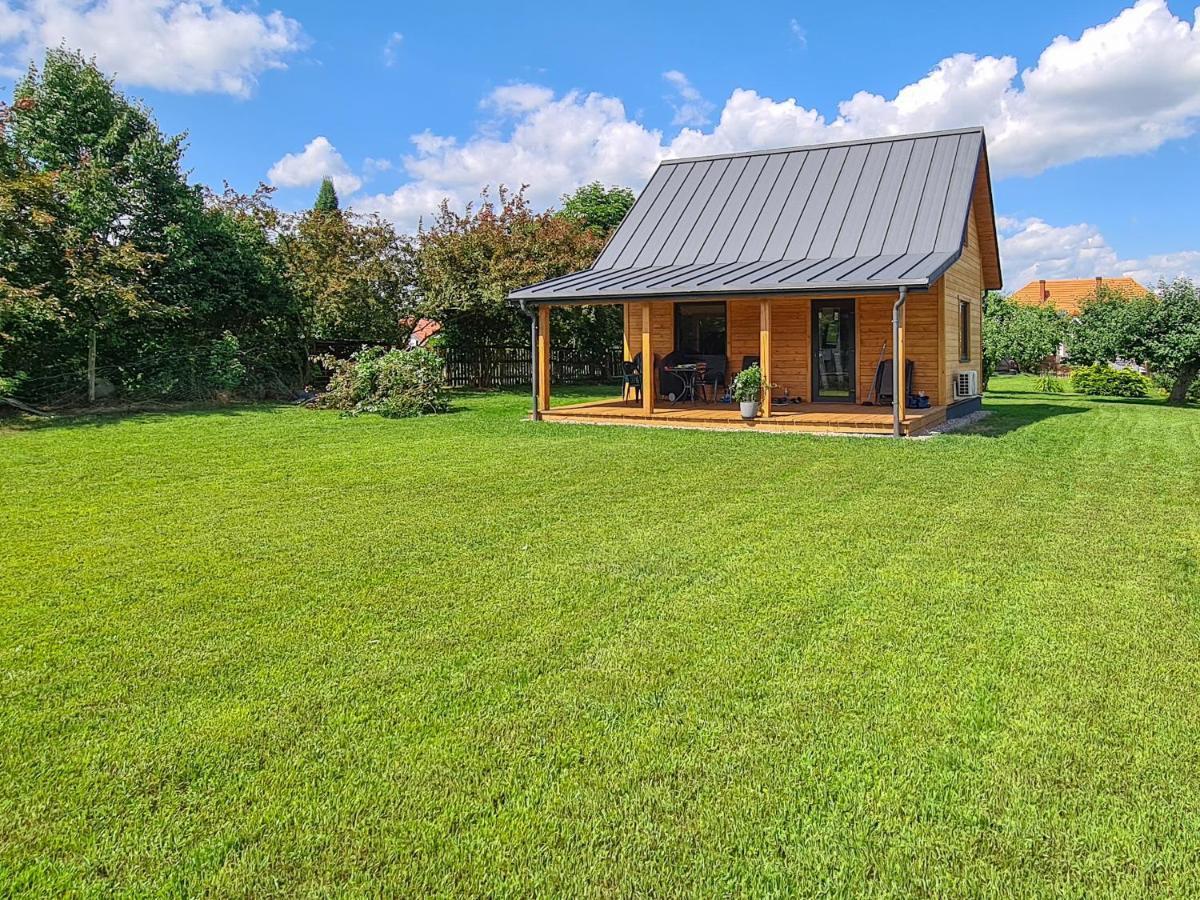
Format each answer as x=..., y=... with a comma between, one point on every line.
x=1067, y=294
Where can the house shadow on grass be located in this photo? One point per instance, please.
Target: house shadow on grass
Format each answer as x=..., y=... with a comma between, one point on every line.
x=1011, y=416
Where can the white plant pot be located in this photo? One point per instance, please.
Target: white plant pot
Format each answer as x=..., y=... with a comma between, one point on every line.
x=749, y=409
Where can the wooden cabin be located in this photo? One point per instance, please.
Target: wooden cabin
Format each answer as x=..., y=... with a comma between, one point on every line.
x=813, y=262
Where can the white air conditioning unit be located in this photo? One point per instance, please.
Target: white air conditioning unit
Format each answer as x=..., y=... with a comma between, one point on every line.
x=966, y=384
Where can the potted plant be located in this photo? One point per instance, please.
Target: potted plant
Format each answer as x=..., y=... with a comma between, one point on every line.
x=748, y=387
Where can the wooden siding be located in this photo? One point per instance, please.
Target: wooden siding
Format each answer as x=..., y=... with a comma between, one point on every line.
x=963, y=282
x=874, y=318
x=791, y=323
x=662, y=328
x=789, y=347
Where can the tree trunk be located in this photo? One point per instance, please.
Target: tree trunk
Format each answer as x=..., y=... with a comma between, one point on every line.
x=92, y=366
x=1183, y=382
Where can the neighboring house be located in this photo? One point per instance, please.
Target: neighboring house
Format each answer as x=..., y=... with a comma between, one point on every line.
x=1067, y=295
x=813, y=261
x=422, y=332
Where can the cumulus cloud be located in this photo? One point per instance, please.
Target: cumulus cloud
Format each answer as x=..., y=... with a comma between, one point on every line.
x=690, y=106
x=189, y=46
x=515, y=99
x=1032, y=248
x=554, y=145
x=318, y=160
x=1125, y=86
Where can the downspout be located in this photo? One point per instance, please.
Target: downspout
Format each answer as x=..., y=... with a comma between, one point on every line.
x=533, y=356
x=897, y=309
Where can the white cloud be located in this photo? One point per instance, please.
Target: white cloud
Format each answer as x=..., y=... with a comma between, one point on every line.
x=798, y=33
x=372, y=166
x=319, y=159
x=690, y=106
x=514, y=99
x=175, y=45
x=1125, y=86
x=391, y=48
x=1031, y=249
x=554, y=145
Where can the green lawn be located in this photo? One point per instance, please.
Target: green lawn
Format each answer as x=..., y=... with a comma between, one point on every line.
x=268, y=650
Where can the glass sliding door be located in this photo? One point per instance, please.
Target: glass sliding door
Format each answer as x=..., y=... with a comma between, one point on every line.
x=833, y=350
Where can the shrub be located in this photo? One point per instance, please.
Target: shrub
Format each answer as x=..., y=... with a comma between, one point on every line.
x=392, y=383
x=226, y=371
x=1048, y=383
x=1105, y=381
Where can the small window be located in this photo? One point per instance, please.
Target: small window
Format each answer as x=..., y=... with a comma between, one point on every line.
x=964, y=331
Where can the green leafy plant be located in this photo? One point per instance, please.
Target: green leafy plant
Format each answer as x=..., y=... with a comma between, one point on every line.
x=392, y=383
x=1049, y=383
x=1105, y=381
x=226, y=371
x=749, y=385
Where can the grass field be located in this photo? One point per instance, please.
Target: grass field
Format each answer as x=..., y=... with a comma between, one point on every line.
x=266, y=650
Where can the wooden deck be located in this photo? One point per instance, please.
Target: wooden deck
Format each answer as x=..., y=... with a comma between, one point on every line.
x=835, y=418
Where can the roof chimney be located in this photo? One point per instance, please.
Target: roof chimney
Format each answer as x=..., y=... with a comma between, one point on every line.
x=1045, y=295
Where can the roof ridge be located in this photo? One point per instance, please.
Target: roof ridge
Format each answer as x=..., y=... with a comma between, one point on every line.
x=893, y=138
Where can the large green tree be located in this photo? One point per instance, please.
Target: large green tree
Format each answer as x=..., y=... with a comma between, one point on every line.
x=110, y=253
x=470, y=261
x=354, y=276
x=598, y=208
x=1024, y=335
x=116, y=181
x=1106, y=327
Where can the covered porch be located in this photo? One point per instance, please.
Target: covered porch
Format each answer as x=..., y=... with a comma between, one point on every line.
x=819, y=418
x=828, y=358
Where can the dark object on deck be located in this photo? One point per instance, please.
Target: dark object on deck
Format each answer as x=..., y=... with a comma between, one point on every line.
x=631, y=379
x=668, y=382
x=714, y=374
x=883, y=381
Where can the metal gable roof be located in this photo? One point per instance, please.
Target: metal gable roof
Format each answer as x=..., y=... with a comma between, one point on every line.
x=859, y=215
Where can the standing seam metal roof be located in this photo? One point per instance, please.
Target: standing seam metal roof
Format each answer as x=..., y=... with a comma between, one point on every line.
x=867, y=214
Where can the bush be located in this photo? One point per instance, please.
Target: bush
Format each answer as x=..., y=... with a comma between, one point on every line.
x=226, y=371
x=1105, y=381
x=392, y=383
x=1049, y=384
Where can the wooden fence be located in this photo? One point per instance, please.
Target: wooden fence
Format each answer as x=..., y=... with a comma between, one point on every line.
x=503, y=367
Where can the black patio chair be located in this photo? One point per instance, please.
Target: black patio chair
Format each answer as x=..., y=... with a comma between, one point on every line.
x=631, y=379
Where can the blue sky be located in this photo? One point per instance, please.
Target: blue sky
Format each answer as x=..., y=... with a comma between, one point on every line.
x=1093, y=136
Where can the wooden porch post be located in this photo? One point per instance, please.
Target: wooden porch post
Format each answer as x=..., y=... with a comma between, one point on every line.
x=543, y=375
x=647, y=363
x=764, y=351
x=900, y=361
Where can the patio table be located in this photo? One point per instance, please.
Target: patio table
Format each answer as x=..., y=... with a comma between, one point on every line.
x=686, y=373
